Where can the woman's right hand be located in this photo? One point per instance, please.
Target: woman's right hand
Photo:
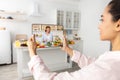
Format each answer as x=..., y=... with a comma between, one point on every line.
x=66, y=48
x=32, y=45
x=65, y=45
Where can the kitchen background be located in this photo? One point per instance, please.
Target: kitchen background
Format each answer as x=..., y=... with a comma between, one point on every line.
x=27, y=14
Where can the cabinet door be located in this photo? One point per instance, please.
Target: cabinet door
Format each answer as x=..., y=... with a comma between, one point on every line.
x=60, y=17
x=76, y=20
x=68, y=19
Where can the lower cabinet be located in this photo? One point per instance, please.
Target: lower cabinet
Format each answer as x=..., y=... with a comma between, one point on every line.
x=54, y=58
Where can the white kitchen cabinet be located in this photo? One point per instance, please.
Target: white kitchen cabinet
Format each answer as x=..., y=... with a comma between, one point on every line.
x=53, y=57
x=69, y=19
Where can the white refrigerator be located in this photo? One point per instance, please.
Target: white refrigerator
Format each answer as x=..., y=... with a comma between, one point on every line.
x=5, y=47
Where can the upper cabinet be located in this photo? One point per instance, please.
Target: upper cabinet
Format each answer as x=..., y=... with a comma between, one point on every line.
x=9, y=15
x=69, y=19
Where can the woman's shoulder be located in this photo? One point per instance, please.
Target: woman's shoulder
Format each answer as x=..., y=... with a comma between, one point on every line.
x=43, y=33
x=51, y=32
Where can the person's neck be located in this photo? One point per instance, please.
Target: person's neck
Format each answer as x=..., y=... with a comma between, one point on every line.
x=116, y=44
x=47, y=33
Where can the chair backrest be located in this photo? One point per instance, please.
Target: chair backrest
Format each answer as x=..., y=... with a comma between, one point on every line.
x=21, y=37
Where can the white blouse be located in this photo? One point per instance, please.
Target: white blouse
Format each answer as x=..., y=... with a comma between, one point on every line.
x=106, y=67
x=47, y=38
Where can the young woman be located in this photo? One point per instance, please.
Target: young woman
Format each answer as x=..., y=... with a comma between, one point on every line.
x=106, y=67
x=47, y=35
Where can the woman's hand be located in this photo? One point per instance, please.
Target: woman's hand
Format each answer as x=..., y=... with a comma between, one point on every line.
x=65, y=45
x=66, y=48
x=32, y=45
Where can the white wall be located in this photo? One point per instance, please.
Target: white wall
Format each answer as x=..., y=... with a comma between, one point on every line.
x=90, y=15
x=47, y=8
x=48, y=14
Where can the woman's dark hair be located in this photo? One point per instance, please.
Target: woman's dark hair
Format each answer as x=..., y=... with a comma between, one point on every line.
x=47, y=27
x=115, y=9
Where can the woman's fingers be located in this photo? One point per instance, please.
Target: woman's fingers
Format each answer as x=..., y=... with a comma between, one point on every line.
x=33, y=38
x=65, y=40
x=30, y=39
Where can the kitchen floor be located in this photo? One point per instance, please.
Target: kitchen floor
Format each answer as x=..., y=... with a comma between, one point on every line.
x=9, y=72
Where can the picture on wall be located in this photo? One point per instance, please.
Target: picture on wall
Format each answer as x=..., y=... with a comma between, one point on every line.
x=53, y=27
x=59, y=27
x=41, y=27
x=36, y=27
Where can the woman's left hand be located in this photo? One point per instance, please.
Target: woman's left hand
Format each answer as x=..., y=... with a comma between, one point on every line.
x=32, y=45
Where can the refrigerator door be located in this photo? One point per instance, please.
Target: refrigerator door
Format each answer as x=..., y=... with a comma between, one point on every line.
x=5, y=47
